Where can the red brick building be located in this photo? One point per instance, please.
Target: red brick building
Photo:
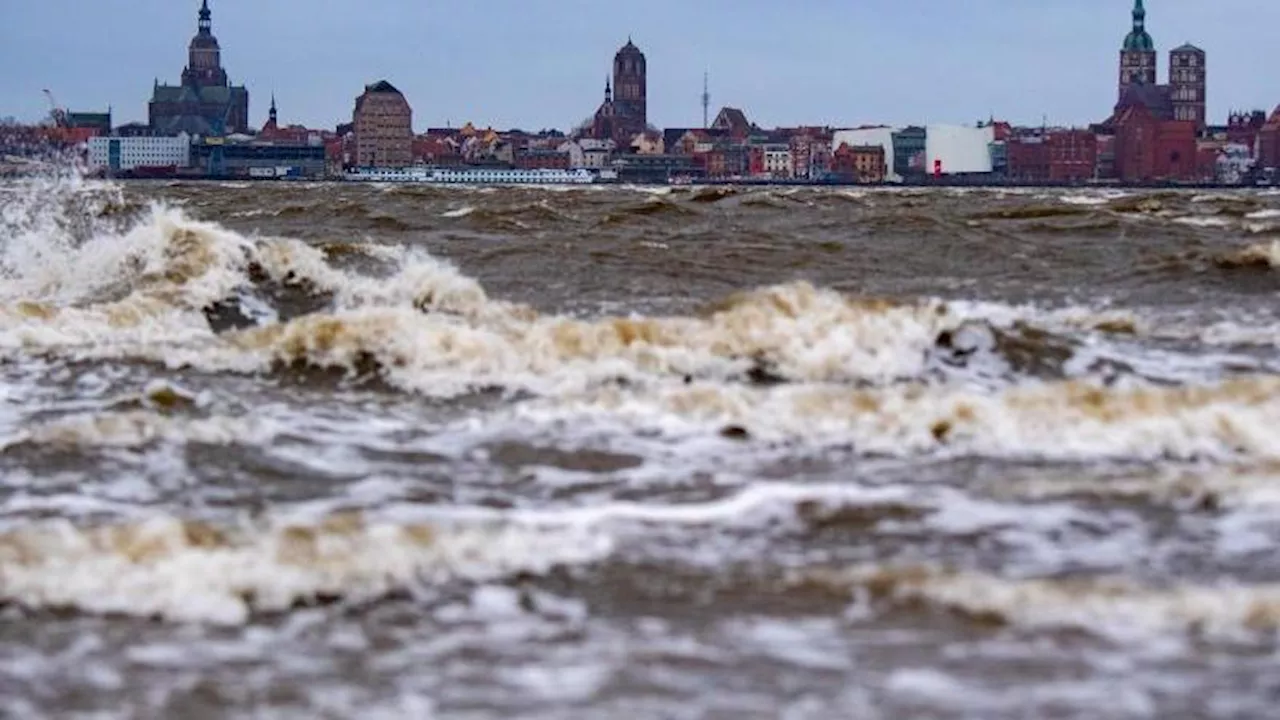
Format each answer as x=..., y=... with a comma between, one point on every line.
x=1243, y=127
x=288, y=135
x=734, y=122
x=1028, y=159
x=859, y=163
x=542, y=159
x=1072, y=156
x=1188, y=74
x=1269, y=142
x=383, y=123
x=1149, y=148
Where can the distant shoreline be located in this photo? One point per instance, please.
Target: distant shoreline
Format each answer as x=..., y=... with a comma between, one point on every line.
x=986, y=184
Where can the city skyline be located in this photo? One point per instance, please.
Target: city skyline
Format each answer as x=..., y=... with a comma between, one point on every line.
x=534, y=65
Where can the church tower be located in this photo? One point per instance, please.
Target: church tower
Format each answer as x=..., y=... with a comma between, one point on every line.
x=1138, y=55
x=1188, y=78
x=204, y=56
x=630, y=88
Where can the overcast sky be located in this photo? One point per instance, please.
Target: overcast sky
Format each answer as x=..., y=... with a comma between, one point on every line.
x=542, y=63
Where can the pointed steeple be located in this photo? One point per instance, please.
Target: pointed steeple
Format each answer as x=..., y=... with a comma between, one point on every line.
x=206, y=18
x=608, y=89
x=271, y=115
x=1139, y=39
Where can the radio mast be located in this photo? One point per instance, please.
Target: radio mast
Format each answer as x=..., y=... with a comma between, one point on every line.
x=706, y=100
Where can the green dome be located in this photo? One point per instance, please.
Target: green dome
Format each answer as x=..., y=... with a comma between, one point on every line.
x=1139, y=39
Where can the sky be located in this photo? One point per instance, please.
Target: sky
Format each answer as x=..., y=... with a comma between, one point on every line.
x=534, y=64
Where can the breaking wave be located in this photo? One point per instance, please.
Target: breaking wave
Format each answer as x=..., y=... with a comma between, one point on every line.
x=183, y=570
x=783, y=362
x=1115, y=608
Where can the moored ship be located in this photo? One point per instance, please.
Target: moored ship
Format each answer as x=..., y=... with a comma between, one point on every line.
x=477, y=176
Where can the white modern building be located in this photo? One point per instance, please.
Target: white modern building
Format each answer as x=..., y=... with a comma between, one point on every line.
x=129, y=153
x=778, y=162
x=958, y=149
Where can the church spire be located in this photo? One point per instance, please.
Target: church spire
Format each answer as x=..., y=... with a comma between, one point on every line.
x=206, y=18
x=1139, y=40
x=271, y=116
x=608, y=89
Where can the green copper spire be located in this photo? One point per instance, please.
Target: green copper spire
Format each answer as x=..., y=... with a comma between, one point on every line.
x=1139, y=39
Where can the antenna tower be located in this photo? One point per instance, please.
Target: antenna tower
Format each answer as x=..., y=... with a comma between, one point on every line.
x=706, y=100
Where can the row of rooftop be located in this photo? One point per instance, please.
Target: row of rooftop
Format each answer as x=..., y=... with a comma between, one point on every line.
x=1154, y=133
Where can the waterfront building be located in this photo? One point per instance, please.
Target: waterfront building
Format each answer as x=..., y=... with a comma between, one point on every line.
x=859, y=163
x=957, y=150
x=1243, y=127
x=1234, y=163
x=97, y=122
x=119, y=154
x=777, y=161
x=1184, y=97
x=221, y=158
x=624, y=112
x=1188, y=77
x=733, y=122
x=273, y=133
x=881, y=137
x=655, y=168
x=649, y=142
x=1137, y=54
x=1150, y=146
x=383, y=127
x=542, y=159
x=909, y=152
x=1027, y=158
x=1269, y=142
x=205, y=103
x=810, y=152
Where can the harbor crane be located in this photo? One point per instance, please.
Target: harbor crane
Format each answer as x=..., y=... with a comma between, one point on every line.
x=57, y=113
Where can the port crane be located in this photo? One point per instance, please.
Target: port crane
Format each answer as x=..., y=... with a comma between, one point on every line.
x=57, y=113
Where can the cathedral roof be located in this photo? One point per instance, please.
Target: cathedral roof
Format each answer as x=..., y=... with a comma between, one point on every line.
x=1188, y=47
x=187, y=93
x=189, y=124
x=1158, y=99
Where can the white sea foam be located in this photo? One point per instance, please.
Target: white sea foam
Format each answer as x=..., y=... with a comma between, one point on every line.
x=190, y=571
x=142, y=293
x=1066, y=420
x=1112, y=607
x=1203, y=221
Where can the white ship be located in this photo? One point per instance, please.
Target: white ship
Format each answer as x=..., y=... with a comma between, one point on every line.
x=477, y=176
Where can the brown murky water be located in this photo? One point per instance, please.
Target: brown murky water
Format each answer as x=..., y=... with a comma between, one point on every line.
x=359, y=451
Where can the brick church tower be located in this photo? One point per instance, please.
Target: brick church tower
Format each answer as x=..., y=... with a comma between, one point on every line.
x=1138, y=55
x=1188, y=81
x=630, y=85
